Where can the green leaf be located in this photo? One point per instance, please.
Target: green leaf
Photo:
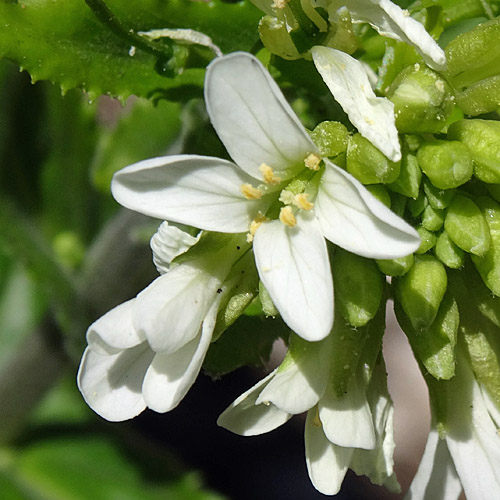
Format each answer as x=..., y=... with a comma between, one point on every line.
x=84, y=467
x=144, y=132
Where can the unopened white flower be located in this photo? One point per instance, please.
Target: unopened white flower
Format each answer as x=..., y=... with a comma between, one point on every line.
x=468, y=455
x=390, y=21
x=350, y=431
x=279, y=190
x=148, y=351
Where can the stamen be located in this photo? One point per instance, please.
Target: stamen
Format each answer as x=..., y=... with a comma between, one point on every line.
x=254, y=225
x=250, y=192
x=287, y=197
x=279, y=4
x=312, y=161
x=269, y=175
x=301, y=201
x=287, y=217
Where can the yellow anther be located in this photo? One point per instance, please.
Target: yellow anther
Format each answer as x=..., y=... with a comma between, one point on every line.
x=287, y=217
x=254, y=225
x=250, y=192
x=279, y=4
x=312, y=161
x=269, y=176
x=301, y=201
x=287, y=197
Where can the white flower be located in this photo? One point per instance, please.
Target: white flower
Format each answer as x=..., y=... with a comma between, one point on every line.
x=350, y=431
x=148, y=351
x=277, y=190
x=468, y=456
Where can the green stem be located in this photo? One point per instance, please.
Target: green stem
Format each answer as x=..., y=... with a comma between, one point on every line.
x=104, y=14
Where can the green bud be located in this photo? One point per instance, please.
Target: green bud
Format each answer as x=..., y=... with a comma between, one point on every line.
x=428, y=240
x=331, y=138
x=488, y=264
x=448, y=253
x=466, y=226
x=473, y=68
x=421, y=290
x=422, y=100
x=482, y=137
x=368, y=164
x=437, y=198
x=432, y=219
x=380, y=192
x=358, y=287
x=448, y=164
x=408, y=182
x=435, y=346
x=417, y=206
x=396, y=267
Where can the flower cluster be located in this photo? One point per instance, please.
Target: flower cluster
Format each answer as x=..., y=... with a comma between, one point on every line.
x=410, y=196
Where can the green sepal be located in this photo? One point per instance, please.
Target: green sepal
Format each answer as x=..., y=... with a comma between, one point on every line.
x=466, y=226
x=421, y=290
x=448, y=164
x=434, y=347
x=437, y=198
x=427, y=240
x=488, y=264
x=380, y=192
x=359, y=286
x=408, y=182
x=417, y=206
x=267, y=303
x=351, y=345
x=448, y=253
x=368, y=164
x=396, y=267
x=331, y=138
x=432, y=219
x=482, y=137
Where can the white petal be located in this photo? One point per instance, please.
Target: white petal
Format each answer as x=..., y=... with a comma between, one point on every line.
x=294, y=267
x=472, y=437
x=391, y=21
x=200, y=191
x=347, y=421
x=112, y=385
x=301, y=378
x=168, y=243
x=252, y=118
x=348, y=82
x=245, y=418
x=352, y=218
x=326, y=463
x=170, y=310
x=114, y=331
x=170, y=376
x=436, y=476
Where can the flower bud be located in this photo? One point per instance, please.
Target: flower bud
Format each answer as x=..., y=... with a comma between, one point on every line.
x=358, y=287
x=448, y=253
x=488, y=264
x=396, y=267
x=421, y=290
x=422, y=100
x=473, y=68
x=434, y=347
x=482, y=137
x=331, y=138
x=448, y=164
x=427, y=240
x=368, y=164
